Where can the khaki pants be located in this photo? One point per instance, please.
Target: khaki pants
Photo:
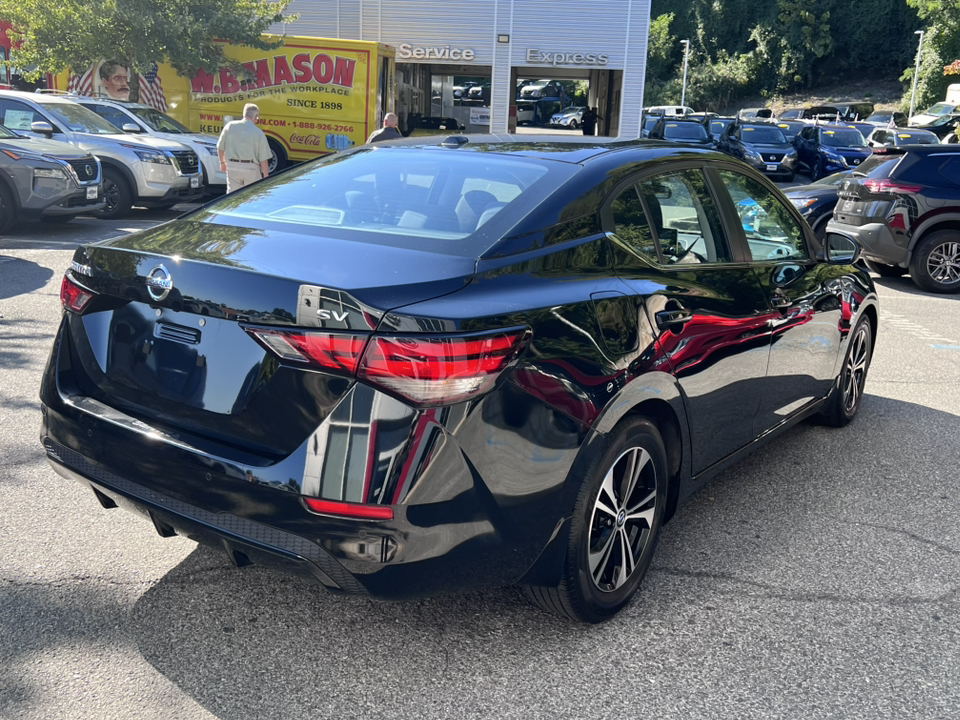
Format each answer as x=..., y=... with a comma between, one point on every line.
x=241, y=173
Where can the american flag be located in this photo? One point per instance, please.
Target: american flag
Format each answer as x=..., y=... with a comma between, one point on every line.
x=151, y=88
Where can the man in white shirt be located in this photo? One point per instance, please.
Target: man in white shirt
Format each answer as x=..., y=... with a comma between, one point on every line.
x=243, y=149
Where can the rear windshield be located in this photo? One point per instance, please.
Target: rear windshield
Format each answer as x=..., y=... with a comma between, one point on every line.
x=685, y=131
x=769, y=135
x=406, y=197
x=917, y=138
x=842, y=138
x=718, y=126
x=878, y=166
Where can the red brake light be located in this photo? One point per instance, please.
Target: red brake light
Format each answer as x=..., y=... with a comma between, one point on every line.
x=886, y=185
x=325, y=351
x=439, y=370
x=427, y=370
x=360, y=511
x=73, y=296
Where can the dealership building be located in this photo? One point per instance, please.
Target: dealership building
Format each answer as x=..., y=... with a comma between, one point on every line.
x=499, y=45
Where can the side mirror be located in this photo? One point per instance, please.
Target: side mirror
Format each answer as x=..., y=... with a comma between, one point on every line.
x=840, y=249
x=131, y=128
x=42, y=127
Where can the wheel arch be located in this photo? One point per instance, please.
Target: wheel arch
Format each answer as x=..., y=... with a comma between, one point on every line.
x=938, y=222
x=124, y=171
x=655, y=397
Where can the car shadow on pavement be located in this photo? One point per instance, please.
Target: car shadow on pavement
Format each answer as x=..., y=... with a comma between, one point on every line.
x=20, y=277
x=820, y=522
x=905, y=285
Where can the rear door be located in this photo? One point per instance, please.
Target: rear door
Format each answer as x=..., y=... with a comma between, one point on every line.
x=706, y=303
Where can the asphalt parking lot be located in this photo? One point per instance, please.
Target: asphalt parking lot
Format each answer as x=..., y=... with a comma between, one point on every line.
x=816, y=579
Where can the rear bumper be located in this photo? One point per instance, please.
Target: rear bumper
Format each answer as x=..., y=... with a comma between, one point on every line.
x=463, y=519
x=877, y=241
x=243, y=540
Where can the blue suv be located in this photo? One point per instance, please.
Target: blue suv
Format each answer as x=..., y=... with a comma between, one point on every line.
x=826, y=149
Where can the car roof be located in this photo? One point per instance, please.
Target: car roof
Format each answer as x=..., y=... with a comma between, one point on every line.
x=575, y=150
x=37, y=97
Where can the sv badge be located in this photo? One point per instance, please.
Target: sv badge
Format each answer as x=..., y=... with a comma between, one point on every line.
x=332, y=315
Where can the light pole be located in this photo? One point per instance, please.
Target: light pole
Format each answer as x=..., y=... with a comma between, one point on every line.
x=916, y=74
x=686, y=54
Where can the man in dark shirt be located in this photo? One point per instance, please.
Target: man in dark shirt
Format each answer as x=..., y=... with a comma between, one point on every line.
x=388, y=131
x=588, y=121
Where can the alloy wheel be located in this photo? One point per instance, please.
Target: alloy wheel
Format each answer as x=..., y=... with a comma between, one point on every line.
x=622, y=519
x=943, y=263
x=855, y=369
x=111, y=194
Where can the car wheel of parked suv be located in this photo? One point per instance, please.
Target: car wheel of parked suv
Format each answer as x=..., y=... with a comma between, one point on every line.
x=882, y=269
x=935, y=265
x=616, y=522
x=117, y=193
x=8, y=209
x=845, y=401
x=816, y=172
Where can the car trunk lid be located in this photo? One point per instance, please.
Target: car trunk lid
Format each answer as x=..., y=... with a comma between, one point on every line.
x=165, y=338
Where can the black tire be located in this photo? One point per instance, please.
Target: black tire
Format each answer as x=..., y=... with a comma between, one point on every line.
x=595, y=590
x=8, y=209
x=791, y=177
x=117, y=193
x=845, y=398
x=816, y=172
x=884, y=270
x=821, y=227
x=935, y=264
x=574, y=125
x=56, y=219
x=278, y=159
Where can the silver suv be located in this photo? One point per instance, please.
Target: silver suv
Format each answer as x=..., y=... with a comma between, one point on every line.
x=136, y=170
x=46, y=179
x=137, y=118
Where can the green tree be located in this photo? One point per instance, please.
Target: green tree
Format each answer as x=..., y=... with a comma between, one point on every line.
x=941, y=46
x=73, y=34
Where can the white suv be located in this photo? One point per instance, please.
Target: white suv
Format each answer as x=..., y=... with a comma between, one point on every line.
x=140, y=170
x=137, y=118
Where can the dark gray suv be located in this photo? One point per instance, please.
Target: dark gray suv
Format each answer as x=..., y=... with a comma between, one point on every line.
x=45, y=179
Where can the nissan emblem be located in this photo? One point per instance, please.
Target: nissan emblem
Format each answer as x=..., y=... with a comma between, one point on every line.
x=159, y=283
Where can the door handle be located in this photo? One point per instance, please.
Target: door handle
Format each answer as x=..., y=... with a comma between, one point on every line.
x=670, y=318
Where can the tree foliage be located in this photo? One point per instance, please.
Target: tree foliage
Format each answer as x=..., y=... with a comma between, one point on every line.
x=742, y=48
x=941, y=46
x=73, y=34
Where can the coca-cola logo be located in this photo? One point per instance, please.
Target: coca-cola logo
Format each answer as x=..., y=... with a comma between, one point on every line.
x=309, y=140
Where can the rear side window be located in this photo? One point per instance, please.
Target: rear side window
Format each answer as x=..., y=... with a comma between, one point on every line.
x=951, y=170
x=18, y=116
x=685, y=218
x=685, y=131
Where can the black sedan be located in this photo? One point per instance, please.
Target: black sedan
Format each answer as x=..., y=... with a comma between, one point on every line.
x=762, y=145
x=411, y=369
x=817, y=200
x=689, y=132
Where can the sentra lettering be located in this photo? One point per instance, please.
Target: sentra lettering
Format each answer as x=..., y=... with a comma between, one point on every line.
x=405, y=51
x=320, y=69
x=538, y=57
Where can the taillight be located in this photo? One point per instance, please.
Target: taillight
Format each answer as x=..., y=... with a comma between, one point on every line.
x=322, y=351
x=439, y=370
x=360, y=511
x=427, y=370
x=886, y=185
x=74, y=297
